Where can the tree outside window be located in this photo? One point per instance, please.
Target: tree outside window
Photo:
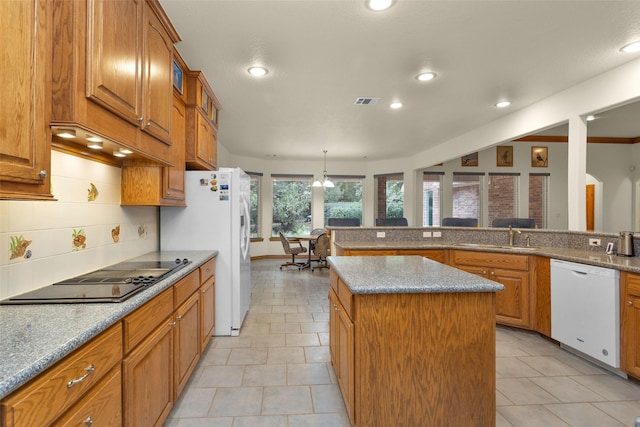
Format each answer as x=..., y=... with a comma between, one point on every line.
x=389, y=196
x=291, y=204
x=344, y=200
x=254, y=204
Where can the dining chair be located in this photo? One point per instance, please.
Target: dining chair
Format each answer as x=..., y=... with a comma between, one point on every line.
x=322, y=250
x=343, y=222
x=459, y=222
x=392, y=222
x=514, y=222
x=292, y=247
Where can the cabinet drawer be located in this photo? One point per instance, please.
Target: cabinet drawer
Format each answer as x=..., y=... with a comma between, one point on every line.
x=53, y=392
x=102, y=406
x=185, y=288
x=141, y=322
x=333, y=279
x=346, y=297
x=490, y=259
x=208, y=269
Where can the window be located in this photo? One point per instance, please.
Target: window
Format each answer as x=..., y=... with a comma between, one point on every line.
x=291, y=204
x=344, y=200
x=467, y=195
x=389, y=196
x=254, y=204
x=431, y=190
x=538, y=198
x=502, y=196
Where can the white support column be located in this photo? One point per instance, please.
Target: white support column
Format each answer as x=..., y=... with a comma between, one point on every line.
x=577, y=174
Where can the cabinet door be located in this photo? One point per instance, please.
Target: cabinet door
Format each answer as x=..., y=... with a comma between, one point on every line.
x=205, y=140
x=186, y=341
x=630, y=324
x=157, y=78
x=25, y=61
x=345, y=355
x=512, y=304
x=148, y=379
x=173, y=177
x=207, y=312
x=114, y=57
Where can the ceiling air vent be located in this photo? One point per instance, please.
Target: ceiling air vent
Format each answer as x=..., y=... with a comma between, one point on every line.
x=361, y=100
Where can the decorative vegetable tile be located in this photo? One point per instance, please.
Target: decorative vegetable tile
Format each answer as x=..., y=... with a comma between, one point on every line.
x=93, y=193
x=79, y=239
x=115, y=234
x=142, y=231
x=18, y=247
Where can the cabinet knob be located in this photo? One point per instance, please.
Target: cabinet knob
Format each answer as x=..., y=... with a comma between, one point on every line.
x=173, y=324
x=42, y=174
x=493, y=273
x=148, y=125
x=629, y=302
x=179, y=318
x=90, y=369
x=484, y=271
x=140, y=119
x=88, y=421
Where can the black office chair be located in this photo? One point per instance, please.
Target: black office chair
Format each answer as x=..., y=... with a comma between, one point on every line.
x=459, y=222
x=392, y=222
x=343, y=222
x=514, y=222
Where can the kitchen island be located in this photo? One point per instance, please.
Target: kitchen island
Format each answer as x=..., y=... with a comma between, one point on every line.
x=412, y=342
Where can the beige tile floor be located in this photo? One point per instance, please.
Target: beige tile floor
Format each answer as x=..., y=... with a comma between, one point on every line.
x=277, y=372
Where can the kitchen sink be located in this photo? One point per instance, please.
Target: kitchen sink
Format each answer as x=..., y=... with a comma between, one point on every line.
x=489, y=246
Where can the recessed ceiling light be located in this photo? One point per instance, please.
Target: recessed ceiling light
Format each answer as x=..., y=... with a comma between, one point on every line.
x=95, y=145
x=503, y=104
x=396, y=105
x=379, y=5
x=423, y=77
x=258, y=71
x=590, y=118
x=631, y=47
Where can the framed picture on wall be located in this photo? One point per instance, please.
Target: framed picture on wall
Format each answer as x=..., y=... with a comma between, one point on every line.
x=504, y=155
x=177, y=76
x=539, y=157
x=469, y=159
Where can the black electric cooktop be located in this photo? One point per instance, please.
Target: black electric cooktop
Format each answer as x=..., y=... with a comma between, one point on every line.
x=115, y=283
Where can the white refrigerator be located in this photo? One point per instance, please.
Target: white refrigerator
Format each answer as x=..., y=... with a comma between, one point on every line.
x=216, y=217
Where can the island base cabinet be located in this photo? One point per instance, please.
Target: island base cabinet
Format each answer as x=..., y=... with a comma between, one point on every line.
x=414, y=359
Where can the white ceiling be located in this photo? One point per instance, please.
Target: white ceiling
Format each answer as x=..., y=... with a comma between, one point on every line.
x=323, y=54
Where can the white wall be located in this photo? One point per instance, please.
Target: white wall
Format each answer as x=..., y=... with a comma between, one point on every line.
x=49, y=226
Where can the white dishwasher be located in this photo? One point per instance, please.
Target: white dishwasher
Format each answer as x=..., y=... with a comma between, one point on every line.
x=585, y=309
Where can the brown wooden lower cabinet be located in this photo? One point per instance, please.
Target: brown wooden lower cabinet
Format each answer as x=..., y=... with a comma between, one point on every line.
x=186, y=340
x=421, y=359
x=148, y=379
x=630, y=323
x=44, y=399
x=513, y=305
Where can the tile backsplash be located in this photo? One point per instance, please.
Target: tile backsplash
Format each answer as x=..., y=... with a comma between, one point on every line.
x=42, y=242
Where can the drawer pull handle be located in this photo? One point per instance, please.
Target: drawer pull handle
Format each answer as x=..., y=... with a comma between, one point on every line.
x=88, y=421
x=629, y=302
x=89, y=370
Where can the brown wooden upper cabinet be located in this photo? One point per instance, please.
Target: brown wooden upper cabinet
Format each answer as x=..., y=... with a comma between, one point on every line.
x=123, y=89
x=25, y=61
x=203, y=110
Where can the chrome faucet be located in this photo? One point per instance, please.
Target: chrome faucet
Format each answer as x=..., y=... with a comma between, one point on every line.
x=512, y=232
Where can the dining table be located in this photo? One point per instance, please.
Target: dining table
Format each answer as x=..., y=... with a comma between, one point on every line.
x=306, y=238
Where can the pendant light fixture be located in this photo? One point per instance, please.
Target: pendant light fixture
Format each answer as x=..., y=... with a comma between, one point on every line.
x=325, y=181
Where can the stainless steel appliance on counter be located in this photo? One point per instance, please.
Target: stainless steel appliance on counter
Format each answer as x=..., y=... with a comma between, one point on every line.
x=115, y=283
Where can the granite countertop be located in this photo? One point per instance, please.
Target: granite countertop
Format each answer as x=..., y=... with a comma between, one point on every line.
x=597, y=258
x=34, y=337
x=406, y=274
